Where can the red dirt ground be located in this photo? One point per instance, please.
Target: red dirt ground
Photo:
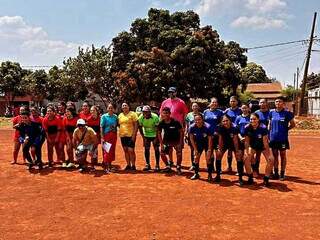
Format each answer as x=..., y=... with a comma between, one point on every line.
x=57, y=204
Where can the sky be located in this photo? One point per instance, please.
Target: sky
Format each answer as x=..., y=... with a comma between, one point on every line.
x=45, y=32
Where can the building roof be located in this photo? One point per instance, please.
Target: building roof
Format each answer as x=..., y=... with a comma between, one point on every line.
x=274, y=87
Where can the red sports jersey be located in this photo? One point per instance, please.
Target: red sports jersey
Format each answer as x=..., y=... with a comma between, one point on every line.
x=70, y=125
x=95, y=125
x=84, y=116
x=52, y=126
x=36, y=119
x=15, y=121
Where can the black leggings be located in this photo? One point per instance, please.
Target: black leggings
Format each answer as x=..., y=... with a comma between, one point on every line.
x=26, y=152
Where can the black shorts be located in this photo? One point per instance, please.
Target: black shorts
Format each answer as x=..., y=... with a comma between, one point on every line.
x=149, y=140
x=202, y=148
x=279, y=145
x=127, y=142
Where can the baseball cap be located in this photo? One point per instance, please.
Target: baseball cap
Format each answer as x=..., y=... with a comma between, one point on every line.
x=172, y=89
x=81, y=122
x=146, y=108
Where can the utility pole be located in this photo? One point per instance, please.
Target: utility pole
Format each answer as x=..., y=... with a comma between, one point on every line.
x=297, y=76
x=305, y=74
x=294, y=86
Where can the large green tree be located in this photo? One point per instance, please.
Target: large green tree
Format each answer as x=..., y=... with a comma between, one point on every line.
x=11, y=81
x=36, y=85
x=253, y=73
x=172, y=49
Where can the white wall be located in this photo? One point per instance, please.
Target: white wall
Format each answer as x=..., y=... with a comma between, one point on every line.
x=314, y=101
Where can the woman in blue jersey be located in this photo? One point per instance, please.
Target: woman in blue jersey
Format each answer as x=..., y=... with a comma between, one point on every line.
x=281, y=121
x=201, y=141
x=263, y=113
x=233, y=111
x=241, y=121
x=256, y=141
x=228, y=141
x=189, y=120
x=213, y=116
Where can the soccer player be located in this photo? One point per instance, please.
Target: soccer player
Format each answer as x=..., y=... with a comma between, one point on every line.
x=69, y=125
x=213, y=116
x=201, y=140
x=148, y=123
x=62, y=138
x=52, y=127
x=189, y=121
x=281, y=121
x=30, y=136
x=108, y=124
x=256, y=141
x=94, y=122
x=84, y=140
x=37, y=119
x=178, y=109
x=16, y=143
x=85, y=111
x=241, y=121
x=228, y=140
x=263, y=113
x=233, y=111
x=128, y=133
x=172, y=138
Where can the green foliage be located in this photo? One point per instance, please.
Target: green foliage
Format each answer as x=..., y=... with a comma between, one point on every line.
x=313, y=81
x=290, y=92
x=253, y=73
x=36, y=84
x=11, y=79
x=245, y=96
x=173, y=50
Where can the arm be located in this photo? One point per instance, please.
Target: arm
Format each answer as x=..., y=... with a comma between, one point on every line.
x=193, y=143
x=159, y=131
x=210, y=143
x=292, y=124
x=246, y=145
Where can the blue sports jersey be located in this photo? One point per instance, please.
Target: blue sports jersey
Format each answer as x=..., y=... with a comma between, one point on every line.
x=200, y=134
x=279, y=123
x=263, y=116
x=227, y=135
x=241, y=122
x=256, y=135
x=233, y=113
x=213, y=118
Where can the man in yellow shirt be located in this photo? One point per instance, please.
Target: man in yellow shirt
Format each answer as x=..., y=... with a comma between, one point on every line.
x=84, y=140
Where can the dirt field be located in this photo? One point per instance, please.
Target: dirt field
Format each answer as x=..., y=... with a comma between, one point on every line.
x=56, y=204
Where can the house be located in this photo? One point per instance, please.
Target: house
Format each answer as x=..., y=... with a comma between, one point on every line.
x=314, y=101
x=18, y=101
x=269, y=91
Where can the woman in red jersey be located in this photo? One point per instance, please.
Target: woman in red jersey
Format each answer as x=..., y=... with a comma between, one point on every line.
x=52, y=127
x=69, y=125
x=85, y=111
x=16, y=144
x=94, y=122
x=62, y=138
x=36, y=118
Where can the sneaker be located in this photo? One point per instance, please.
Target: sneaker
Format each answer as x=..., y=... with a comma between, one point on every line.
x=171, y=163
x=157, y=168
x=179, y=172
x=13, y=162
x=195, y=176
x=106, y=171
x=147, y=167
x=133, y=168
x=128, y=167
x=50, y=164
x=282, y=178
x=70, y=165
x=255, y=174
x=30, y=166
x=191, y=168
x=40, y=166
x=167, y=169
x=275, y=176
x=64, y=165
x=209, y=178
x=82, y=169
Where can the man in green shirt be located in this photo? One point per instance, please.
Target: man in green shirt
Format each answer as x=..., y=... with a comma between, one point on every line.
x=148, y=123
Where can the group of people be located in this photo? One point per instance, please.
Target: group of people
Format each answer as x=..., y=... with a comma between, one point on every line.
x=235, y=131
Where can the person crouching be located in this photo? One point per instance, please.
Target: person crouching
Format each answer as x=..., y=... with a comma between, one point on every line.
x=84, y=140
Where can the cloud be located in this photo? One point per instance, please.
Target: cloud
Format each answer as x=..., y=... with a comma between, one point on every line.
x=265, y=5
x=258, y=22
x=20, y=41
x=207, y=7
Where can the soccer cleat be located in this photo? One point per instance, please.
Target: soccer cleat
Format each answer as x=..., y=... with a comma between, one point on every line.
x=171, y=163
x=157, y=168
x=217, y=179
x=195, y=176
x=240, y=182
x=30, y=166
x=282, y=178
x=128, y=167
x=179, y=172
x=13, y=162
x=133, y=167
x=70, y=165
x=266, y=181
x=276, y=176
x=147, y=167
x=50, y=164
x=82, y=169
x=167, y=169
x=191, y=168
x=250, y=181
x=64, y=165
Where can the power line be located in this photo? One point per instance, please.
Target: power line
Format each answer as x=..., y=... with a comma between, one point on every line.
x=285, y=56
x=278, y=44
x=278, y=52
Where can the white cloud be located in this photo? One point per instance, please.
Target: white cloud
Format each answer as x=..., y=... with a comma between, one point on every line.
x=265, y=5
x=207, y=7
x=20, y=41
x=258, y=22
